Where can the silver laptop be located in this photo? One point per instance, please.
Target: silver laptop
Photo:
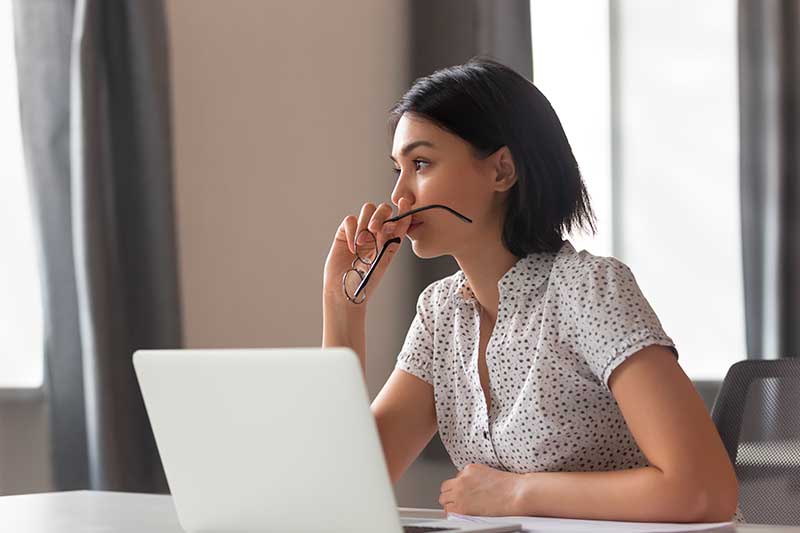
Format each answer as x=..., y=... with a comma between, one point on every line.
x=279, y=439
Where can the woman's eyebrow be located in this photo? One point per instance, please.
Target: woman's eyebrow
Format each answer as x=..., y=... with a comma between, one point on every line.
x=410, y=146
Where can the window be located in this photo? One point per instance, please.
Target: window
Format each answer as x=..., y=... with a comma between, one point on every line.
x=653, y=120
x=21, y=354
x=571, y=68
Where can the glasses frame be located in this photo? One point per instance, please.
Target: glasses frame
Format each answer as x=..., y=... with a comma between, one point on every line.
x=373, y=264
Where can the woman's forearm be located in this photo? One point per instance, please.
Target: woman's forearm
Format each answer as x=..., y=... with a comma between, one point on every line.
x=345, y=327
x=643, y=494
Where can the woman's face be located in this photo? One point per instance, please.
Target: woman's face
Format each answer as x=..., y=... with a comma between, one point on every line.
x=434, y=166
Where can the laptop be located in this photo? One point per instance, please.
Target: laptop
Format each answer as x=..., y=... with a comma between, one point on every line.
x=278, y=439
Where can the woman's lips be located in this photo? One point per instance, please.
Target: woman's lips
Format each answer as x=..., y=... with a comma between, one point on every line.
x=413, y=226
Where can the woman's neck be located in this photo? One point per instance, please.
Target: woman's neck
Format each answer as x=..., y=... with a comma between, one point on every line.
x=483, y=268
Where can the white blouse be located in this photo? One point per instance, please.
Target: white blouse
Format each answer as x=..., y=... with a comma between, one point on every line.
x=565, y=321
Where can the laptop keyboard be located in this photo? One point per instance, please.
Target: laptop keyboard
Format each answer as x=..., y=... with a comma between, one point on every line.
x=423, y=529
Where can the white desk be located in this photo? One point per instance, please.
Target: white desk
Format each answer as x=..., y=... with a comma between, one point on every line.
x=123, y=512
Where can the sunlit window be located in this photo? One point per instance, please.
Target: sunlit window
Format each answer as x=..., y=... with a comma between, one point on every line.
x=21, y=358
x=571, y=68
x=653, y=121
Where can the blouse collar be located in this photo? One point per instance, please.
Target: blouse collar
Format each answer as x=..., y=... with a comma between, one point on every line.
x=526, y=275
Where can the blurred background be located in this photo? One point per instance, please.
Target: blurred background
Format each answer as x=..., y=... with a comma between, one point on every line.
x=174, y=173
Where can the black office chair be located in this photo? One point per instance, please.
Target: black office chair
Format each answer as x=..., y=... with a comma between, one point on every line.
x=757, y=414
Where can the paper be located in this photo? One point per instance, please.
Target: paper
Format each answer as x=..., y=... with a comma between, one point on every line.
x=421, y=512
x=535, y=524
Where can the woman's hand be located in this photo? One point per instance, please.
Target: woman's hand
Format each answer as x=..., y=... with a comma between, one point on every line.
x=342, y=252
x=481, y=490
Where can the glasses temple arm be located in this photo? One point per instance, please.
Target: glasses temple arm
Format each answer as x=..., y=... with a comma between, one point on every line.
x=423, y=208
x=374, y=264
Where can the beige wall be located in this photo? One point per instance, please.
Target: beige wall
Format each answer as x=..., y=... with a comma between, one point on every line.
x=280, y=110
x=24, y=442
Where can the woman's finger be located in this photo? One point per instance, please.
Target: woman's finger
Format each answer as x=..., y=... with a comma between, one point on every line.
x=403, y=206
x=350, y=223
x=380, y=215
x=375, y=225
x=364, y=217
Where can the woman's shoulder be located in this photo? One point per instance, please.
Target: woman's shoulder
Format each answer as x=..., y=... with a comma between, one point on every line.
x=437, y=294
x=585, y=269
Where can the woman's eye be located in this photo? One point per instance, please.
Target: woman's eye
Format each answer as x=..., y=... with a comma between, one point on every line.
x=397, y=170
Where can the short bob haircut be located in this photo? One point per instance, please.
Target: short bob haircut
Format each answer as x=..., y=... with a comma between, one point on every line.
x=490, y=105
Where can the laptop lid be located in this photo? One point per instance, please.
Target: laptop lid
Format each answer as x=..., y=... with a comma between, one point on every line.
x=275, y=439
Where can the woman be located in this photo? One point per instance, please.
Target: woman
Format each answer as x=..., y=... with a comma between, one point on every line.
x=546, y=372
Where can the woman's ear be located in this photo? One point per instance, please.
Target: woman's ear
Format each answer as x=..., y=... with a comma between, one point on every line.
x=506, y=169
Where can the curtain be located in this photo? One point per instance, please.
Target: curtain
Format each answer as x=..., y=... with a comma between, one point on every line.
x=769, y=82
x=94, y=100
x=448, y=32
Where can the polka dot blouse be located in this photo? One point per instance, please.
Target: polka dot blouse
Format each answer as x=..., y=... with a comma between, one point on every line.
x=565, y=321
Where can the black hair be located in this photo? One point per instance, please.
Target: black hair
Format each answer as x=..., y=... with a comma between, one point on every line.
x=490, y=105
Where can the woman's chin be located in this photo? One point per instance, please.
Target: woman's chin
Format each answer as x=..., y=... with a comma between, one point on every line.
x=418, y=250
x=422, y=252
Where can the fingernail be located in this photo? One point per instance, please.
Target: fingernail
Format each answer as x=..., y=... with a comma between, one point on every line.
x=389, y=227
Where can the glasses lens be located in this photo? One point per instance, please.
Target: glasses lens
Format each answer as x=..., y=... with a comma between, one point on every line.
x=352, y=279
x=368, y=249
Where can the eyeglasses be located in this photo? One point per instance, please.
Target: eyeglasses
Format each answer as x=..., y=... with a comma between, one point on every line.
x=354, y=281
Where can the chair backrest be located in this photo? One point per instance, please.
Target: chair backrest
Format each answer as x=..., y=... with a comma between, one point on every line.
x=757, y=414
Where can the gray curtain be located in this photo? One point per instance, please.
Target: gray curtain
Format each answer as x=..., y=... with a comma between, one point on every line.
x=769, y=83
x=449, y=32
x=94, y=99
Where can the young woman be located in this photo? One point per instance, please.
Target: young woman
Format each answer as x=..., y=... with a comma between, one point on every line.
x=546, y=372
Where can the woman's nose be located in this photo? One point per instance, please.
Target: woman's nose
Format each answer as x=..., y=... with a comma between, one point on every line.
x=399, y=193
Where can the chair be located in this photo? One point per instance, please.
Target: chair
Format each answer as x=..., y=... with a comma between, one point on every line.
x=757, y=414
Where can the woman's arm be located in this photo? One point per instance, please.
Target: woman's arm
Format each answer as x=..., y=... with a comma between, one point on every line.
x=405, y=414
x=690, y=479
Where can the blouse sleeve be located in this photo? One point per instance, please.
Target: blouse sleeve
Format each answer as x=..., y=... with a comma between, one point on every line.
x=610, y=319
x=416, y=355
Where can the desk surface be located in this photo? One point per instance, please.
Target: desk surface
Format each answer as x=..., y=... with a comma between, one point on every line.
x=125, y=512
